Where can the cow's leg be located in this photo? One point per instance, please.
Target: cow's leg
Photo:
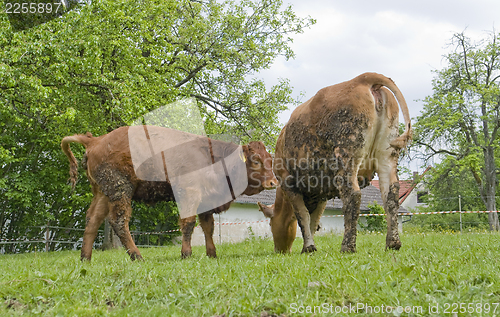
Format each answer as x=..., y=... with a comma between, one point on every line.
x=188, y=202
x=207, y=224
x=389, y=186
x=187, y=227
x=350, y=194
x=96, y=213
x=351, y=200
x=120, y=212
x=316, y=216
x=304, y=220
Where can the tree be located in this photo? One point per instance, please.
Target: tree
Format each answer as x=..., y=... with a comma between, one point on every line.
x=461, y=119
x=445, y=183
x=106, y=63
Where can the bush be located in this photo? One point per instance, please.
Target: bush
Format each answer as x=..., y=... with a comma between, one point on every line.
x=375, y=223
x=449, y=222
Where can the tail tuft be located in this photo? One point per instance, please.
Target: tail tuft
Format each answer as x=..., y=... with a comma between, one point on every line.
x=404, y=139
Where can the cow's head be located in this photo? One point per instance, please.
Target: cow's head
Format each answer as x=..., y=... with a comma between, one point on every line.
x=283, y=222
x=259, y=164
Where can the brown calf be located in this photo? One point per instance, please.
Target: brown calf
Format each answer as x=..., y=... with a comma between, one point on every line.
x=115, y=181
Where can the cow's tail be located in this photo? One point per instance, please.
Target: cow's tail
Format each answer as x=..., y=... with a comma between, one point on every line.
x=380, y=80
x=84, y=139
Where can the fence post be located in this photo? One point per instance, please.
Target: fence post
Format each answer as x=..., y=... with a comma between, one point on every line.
x=111, y=240
x=47, y=237
x=220, y=236
x=460, y=210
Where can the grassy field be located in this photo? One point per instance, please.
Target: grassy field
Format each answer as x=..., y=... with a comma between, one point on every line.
x=432, y=275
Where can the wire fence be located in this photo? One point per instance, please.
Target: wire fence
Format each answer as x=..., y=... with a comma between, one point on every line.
x=45, y=242
x=41, y=238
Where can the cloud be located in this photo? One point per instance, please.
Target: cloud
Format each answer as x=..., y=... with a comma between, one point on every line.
x=402, y=40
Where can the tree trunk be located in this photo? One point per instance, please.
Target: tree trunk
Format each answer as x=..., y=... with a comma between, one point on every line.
x=111, y=240
x=491, y=206
x=491, y=180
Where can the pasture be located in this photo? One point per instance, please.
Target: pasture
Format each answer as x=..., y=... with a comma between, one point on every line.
x=432, y=275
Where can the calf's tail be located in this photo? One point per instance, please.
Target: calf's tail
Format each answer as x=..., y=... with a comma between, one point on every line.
x=84, y=139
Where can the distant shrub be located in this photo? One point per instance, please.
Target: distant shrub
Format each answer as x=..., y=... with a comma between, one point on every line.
x=375, y=223
x=447, y=222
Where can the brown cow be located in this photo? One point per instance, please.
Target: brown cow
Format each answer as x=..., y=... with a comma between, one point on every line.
x=115, y=183
x=331, y=147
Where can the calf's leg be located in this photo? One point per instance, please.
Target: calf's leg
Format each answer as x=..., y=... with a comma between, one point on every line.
x=207, y=224
x=188, y=202
x=96, y=213
x=120, y=212
x=187, y=226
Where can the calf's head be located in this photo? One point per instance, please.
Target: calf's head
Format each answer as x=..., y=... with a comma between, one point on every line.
x=259, y=168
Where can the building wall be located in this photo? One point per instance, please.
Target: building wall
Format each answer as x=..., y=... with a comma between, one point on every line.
x=245, y=221
x=330, y=223
x=411, y=201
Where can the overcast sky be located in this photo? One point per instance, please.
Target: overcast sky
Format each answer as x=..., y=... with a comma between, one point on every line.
x=404, y=40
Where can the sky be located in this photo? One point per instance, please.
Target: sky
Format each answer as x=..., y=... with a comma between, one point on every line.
x=403, y=40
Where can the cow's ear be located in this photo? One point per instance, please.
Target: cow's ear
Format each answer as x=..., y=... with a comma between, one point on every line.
x=268, y=211
x=248, y=152
x=245, y=151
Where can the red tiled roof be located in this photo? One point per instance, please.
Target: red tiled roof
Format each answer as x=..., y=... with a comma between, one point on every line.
x=408, y=186
x=405, y=186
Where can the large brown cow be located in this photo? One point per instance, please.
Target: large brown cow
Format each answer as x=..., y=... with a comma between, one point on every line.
x=331, y=147
x=115, y=182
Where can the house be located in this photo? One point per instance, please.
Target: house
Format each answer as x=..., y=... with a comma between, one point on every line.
x=411, y=191
x=244, y=220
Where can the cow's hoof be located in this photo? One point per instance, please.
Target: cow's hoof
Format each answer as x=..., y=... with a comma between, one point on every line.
x=348, y=249
x=309, y=249
x=393, y=245
x=136, y=257
x=185, y=255
x=212, y=255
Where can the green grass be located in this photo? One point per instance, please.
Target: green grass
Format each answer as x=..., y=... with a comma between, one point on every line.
x=249, y=279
